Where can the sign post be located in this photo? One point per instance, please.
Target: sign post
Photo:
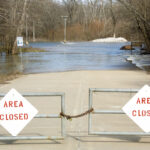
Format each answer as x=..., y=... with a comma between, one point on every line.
x=20, y=44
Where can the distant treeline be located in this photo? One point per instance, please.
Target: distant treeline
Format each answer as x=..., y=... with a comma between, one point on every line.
x=87, y=20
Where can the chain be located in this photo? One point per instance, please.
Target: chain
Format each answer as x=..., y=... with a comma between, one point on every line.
x=69, y=117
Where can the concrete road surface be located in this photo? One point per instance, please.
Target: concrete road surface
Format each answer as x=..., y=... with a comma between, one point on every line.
x=76, y=85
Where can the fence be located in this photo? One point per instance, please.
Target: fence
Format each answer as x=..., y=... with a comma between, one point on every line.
x=62, y=95
x=63, y=116
x=91, y=91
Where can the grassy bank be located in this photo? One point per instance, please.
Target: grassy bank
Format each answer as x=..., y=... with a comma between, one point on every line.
x=24, y=49
x=4, y=78
x=31, y=49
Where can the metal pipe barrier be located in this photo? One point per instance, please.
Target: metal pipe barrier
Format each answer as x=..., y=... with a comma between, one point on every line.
x=62, y=95
x=90, y=132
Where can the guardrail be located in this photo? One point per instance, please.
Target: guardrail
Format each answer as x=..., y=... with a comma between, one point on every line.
x=62, y=95
x=91, y=91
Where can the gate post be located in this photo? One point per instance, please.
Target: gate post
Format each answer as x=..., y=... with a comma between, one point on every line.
x=62, y=118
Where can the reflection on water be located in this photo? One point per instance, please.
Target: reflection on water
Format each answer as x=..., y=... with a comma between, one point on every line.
x=66, y=57
x=10, y=64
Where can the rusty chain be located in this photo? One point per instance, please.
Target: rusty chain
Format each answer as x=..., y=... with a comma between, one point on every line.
x=69, y=117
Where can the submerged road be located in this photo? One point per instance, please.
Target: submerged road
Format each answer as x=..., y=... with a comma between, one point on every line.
x=72, y=56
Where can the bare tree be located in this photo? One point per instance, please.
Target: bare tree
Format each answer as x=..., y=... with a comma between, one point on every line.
x=88, y=19
x=139, y=10
x=71, y=7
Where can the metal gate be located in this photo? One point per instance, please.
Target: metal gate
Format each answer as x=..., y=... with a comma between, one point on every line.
x=62, y=96
x=91, y=91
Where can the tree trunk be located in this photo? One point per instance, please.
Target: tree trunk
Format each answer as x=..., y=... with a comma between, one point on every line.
x=147, y=38
x=19, y=28
x=113, y=17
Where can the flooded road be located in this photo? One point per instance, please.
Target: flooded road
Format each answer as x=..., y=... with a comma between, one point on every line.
x=67, y=57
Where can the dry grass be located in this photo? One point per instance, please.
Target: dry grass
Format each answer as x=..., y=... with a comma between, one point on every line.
x=4, y=78
x=31, y=49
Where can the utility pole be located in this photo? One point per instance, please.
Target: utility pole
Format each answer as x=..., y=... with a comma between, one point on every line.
x=65, y=25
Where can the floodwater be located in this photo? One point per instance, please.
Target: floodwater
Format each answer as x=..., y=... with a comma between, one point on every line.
x=67, y=57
